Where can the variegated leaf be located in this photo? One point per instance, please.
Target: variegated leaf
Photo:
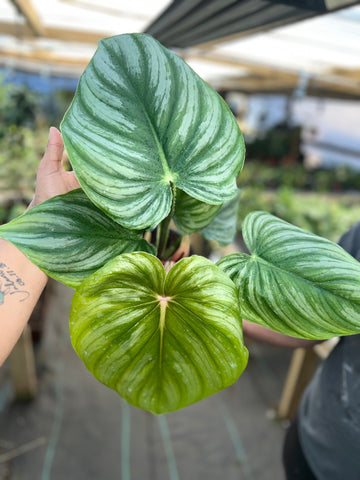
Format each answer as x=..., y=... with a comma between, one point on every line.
x=69, y=238
x=295, y=282
x=162, y=341
x=223, y=227
x=142, y=120
x=191, y=215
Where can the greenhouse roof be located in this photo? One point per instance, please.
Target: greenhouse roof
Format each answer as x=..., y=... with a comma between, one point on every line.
x=245, y=45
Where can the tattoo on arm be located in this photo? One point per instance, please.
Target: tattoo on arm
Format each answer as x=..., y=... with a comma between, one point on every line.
x=11, y=284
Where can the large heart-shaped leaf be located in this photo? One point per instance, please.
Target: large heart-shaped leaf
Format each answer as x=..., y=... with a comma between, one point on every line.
x=142, y=119
x=295, y=282
x=161, y=341
x=223, y=227
x=69, y=238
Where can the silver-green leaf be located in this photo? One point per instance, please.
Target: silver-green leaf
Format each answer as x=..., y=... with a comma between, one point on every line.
x=223, y=226
x=162, y=341
x=191, y=215
x=69, y=238
x=295, y=282
x=142, y=120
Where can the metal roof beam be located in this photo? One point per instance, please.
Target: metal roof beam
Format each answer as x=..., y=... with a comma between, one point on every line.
x=173, y=14
x=188, y=23
x=235, y=20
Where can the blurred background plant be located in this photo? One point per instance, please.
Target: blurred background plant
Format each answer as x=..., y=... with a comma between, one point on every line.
x=25, y=117
x=325, y=214
x=324, y=201
x=295, y=175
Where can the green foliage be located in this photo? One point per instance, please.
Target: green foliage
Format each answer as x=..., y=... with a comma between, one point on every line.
x=69, y=238
x=261, y=175
x=16, y=210
x=21, y=150
x=223, y=228
x=277, y=144
x=158, y=124
x=191, y=215
x=24, y=122
x=295, y=282
x=3, y=214
x=150, y=143
x=18, y=107
x=21, y=143
x=153, y=337
x=323, y=214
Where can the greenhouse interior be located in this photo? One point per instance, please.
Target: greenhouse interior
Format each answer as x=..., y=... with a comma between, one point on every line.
x=167, y=314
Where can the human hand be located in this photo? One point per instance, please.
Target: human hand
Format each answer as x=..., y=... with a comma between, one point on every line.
x=51, y=178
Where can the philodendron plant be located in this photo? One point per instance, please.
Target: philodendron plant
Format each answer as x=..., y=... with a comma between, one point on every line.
x=151, y=143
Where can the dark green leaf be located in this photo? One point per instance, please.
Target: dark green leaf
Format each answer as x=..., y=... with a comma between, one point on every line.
x=69, y=238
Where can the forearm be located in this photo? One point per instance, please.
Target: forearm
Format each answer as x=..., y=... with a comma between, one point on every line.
x=21, y=284
x=263, y=334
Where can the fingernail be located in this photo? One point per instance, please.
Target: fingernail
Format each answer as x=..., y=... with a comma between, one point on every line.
x=50, y=134
x=53, y=134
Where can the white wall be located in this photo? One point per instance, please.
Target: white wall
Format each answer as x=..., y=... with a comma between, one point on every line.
x=334, y=124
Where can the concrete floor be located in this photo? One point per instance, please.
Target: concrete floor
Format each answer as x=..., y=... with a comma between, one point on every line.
x=78, y=429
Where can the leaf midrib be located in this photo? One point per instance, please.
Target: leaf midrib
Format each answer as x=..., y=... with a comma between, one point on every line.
x=168, y=175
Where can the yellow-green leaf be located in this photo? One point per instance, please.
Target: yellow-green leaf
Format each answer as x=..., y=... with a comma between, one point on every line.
x=162, y=341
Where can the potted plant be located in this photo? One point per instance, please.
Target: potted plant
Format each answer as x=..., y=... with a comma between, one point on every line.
x=152, y=143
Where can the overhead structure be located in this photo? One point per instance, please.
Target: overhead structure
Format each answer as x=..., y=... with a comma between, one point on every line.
x=272, y=46
x=60, y=36
x=31, y=16
x=188, y=23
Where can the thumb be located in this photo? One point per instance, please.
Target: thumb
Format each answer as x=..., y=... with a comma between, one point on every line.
x=51, y=161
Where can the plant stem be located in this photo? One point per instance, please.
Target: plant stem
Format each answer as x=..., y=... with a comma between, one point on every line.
x=162, y=234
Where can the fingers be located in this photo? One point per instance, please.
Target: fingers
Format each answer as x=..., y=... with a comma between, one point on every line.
x=72, y=181
x=51, y=161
